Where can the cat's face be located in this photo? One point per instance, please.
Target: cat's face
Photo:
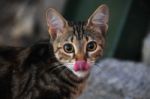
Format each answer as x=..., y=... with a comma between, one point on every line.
x=78, y=45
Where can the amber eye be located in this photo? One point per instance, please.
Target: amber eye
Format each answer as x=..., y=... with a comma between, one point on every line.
x=91, y=46
x=68, y=48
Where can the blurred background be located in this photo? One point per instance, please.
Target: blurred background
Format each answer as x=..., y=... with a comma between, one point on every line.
x=23, y=22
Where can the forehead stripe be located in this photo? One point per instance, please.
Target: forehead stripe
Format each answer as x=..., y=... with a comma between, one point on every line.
x=78, y=29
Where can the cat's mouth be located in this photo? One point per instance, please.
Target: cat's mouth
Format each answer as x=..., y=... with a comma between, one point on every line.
x=79, y=68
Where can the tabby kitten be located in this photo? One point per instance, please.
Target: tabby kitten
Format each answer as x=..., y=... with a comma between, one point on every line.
x=58, y=68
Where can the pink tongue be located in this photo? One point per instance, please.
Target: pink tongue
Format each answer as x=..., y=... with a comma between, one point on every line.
x=81, y=66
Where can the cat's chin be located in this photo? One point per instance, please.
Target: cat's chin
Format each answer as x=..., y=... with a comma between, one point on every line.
x=81, y=74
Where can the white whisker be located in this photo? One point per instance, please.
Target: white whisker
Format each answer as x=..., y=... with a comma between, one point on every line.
x=57, y=67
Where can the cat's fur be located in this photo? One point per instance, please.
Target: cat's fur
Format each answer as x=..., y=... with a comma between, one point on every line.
x=44, y=70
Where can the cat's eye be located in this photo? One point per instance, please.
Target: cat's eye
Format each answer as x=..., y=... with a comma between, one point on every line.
x=68, y=48
x=91, y=46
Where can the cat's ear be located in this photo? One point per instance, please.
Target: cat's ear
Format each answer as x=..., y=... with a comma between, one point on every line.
x=99, y=19
x=56, y=23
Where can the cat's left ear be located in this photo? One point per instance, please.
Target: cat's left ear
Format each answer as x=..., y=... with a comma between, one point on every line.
x=56, y=23
x=99, y=19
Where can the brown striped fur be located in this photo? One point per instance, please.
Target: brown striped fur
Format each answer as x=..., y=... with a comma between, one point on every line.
x=40, y=71
x=78, y=35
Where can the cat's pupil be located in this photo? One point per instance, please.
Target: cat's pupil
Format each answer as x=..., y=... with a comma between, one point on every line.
x=68, y=48
x=91, y=46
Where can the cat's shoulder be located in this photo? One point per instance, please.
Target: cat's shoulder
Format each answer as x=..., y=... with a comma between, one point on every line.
x=9, y=52
x=41, y=47
x=37, y=52
x=42, y=44
x=38, y=49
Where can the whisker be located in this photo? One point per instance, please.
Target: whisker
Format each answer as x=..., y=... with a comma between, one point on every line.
x=65, y=69
x=57, y=67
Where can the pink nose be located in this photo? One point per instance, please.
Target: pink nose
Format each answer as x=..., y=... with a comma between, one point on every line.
x=81, y=65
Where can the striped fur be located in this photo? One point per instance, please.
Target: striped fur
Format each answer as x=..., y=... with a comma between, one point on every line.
x=49, y=69
x=78, y=35
x=34, y=73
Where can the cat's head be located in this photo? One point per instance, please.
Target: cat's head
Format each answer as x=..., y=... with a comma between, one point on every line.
x=78, y=45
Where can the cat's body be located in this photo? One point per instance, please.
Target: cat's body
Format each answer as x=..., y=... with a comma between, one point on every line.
x=24, y=74
x=57, y=68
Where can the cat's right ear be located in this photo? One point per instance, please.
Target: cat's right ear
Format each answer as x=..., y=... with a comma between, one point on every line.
x=56, y=23
x=99, y=19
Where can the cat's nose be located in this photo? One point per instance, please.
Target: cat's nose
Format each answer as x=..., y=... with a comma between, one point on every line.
x=81, y=65
x=80, y=56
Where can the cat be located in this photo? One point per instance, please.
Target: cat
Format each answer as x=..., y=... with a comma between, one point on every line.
x=57, y=68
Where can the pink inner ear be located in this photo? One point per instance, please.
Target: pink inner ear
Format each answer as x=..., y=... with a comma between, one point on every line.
x=55, y=26
x=53, y=33
x=99, y=18
x=81, y=65
x=55, y=22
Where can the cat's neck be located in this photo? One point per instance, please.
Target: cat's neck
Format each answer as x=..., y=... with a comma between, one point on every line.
x=77, y=85
x=65, y=77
